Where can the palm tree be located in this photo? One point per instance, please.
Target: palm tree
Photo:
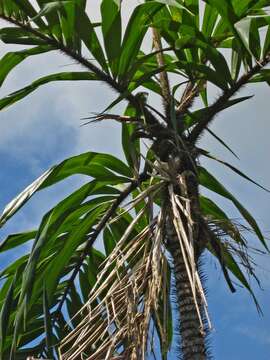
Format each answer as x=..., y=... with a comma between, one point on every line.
x=67, y=300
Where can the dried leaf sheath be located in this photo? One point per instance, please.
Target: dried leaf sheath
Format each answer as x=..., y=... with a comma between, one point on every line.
x=186, y=246
x=129, y=293
x=183, y=238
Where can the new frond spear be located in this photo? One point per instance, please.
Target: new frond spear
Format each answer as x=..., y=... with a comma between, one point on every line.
x=66, y=300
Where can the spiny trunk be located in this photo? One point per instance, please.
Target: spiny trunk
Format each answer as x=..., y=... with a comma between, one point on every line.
x=192, y=335
x=191, y=312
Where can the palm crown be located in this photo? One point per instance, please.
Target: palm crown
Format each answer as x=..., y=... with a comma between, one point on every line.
x=149, y=212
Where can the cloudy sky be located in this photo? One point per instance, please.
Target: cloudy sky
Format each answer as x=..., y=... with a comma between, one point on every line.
x=44, y=128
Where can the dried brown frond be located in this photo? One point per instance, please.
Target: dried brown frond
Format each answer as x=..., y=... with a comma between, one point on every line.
x=182, y=220
x=103, y=116
x=231, y=234
x=125, y=299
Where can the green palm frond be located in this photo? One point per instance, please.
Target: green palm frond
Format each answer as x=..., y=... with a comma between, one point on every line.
x=63, y=294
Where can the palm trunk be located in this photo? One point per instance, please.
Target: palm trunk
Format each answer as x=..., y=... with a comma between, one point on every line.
x=193, y=345
x=192, y=336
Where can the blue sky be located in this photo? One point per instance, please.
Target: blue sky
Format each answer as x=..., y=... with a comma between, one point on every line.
x=44, y=129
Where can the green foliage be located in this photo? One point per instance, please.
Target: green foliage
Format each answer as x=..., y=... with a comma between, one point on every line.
x=63, y=267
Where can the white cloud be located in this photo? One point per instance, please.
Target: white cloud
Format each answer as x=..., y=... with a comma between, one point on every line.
x=66, y=102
